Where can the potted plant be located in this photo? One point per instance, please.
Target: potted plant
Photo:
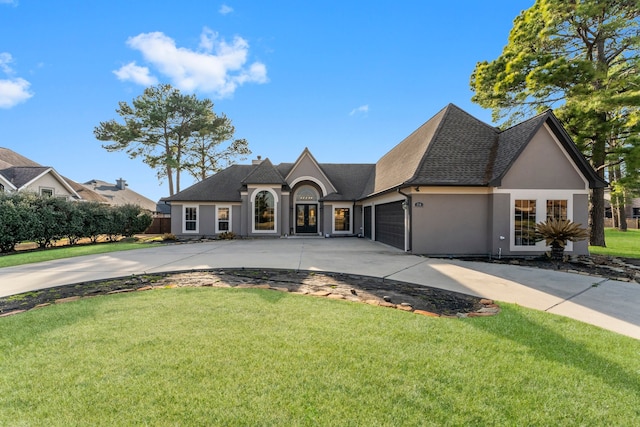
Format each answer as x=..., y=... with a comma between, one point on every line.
x=557, y=232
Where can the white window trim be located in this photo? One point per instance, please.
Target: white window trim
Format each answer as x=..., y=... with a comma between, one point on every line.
x=333, y=218
x=541, y=197
x=229, y=220
x=276, y=203
x=53, y=191
x=184, y=219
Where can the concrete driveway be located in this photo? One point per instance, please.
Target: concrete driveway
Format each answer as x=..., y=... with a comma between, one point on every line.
x=606, y=303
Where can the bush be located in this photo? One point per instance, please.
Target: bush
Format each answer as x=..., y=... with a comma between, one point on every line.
x=557, y=232
x=227, y=235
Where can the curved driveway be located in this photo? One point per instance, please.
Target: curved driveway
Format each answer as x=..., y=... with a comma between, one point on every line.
x=606, y=303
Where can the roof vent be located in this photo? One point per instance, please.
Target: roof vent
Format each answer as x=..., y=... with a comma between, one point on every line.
x=121, y=184
x=257, y=161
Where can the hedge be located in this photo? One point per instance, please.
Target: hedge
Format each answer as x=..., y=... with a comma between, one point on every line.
x=42, y=219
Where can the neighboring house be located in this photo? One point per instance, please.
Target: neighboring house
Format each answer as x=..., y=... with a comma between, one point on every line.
x=18, y=173
x=632, y=211
x=118, y=194
x=455, y=186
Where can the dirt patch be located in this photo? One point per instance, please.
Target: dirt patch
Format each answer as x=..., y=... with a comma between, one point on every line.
x=365, y=289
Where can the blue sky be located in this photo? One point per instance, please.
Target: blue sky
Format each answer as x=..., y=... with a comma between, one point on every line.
x=347, y=79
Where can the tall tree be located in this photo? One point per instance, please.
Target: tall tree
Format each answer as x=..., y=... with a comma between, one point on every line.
x=162, y=126
x=580, y=57
x=213, y=148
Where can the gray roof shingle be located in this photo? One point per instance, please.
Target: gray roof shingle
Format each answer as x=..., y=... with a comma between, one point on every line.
x=452, y=148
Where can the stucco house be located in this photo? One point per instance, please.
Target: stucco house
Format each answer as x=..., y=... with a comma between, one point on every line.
x=455, y=186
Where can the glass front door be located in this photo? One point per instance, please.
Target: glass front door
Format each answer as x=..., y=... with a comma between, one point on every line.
x=306, y=218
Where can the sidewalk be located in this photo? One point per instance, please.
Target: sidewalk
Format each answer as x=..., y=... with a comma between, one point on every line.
x=606, y=303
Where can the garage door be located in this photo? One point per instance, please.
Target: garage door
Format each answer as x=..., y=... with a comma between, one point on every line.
x=390, y=224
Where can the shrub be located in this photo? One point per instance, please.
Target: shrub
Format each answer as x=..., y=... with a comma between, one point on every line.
x=557, y=232
x=227, y=235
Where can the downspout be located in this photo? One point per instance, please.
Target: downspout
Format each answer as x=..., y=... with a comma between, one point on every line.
x=407, y=239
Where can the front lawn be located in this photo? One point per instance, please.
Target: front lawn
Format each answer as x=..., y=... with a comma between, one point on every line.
x=619, y=243
x=206, y=356
x=50, y=254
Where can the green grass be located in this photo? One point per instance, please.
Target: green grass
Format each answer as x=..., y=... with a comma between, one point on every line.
x=205, y=356
x=619, y=243
x=29, y=257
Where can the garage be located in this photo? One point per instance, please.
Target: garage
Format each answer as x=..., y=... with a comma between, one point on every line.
x=389, y=222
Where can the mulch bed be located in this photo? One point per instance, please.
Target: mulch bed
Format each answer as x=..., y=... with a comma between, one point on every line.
x=382, y=292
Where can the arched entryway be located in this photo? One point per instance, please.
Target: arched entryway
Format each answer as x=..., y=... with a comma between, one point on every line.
x=306, y=210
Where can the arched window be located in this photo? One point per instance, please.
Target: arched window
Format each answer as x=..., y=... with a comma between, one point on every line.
x=306, y=194
x=264, y=212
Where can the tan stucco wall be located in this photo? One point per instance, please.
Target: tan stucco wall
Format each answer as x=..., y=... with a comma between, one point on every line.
x=450, y=224
x=543, y=164
x=48, y=181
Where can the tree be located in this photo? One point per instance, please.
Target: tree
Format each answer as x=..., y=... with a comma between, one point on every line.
x=580, y=57
x=161, y=126
x=204, y=156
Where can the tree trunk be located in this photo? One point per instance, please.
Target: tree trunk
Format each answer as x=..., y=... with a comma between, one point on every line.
x=620, y=202
x=596, y=218
x=557, y=252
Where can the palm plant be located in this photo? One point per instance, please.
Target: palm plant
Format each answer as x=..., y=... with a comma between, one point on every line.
x=557, y=232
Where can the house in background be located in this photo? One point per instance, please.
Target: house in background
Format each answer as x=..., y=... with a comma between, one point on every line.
x=18, y=173
x=119, y=194
x=455, y=186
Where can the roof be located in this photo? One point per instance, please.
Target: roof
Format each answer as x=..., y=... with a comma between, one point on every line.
x=113, y=195
x=11, y=158
x=452, y=148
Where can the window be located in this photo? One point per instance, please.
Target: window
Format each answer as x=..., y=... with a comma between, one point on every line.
x=46, y=192
x=342, y=219
x=223, y=219
x=556, y=209
x=190, y=219
x=1, y=188
x=525, y=223
x=530, y=208
x=264, y=212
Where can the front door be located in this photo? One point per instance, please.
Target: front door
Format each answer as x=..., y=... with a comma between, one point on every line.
x=306, y=218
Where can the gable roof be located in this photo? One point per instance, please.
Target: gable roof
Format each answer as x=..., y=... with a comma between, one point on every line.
x=264, y=173
x=224, y=186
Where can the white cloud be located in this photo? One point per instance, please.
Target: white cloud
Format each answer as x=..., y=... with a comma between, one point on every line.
x=5, y=60
x=361, y=109
x=219, y=68
x=14, y=91
x=224, y=9
x=13, y=2
x=136, y=74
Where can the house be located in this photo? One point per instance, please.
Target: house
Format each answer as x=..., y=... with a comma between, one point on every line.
x=18, y=173
x=455, y=186
x=119, y=194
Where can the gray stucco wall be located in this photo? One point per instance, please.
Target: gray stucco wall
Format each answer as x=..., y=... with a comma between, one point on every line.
x=500, y=224
x=450, y=224
x=581, y=216
x=307, y=168
x=543, y=164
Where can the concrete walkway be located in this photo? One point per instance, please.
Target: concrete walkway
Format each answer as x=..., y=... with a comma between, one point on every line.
x=606, y=303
